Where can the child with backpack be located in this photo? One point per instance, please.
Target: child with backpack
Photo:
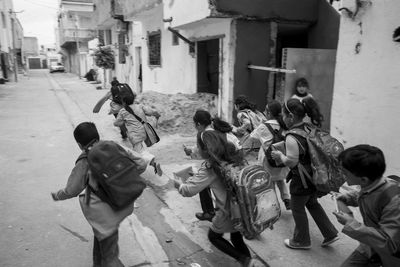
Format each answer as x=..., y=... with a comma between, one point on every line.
x=103, y=215
x=303, y=192
x=268, y=133
x=379, y=202
x=131, y=115
x=249, y=118
x=216, y=142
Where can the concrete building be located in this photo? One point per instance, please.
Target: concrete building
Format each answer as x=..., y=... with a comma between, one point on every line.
x=206, y=46
x=366, y=95
x=11, y=33
x=75, y=30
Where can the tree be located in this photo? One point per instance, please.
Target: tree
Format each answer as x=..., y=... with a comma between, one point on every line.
x=104, y=58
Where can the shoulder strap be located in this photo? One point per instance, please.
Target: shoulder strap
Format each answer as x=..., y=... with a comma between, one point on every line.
x=270, y=128
x=136, y=116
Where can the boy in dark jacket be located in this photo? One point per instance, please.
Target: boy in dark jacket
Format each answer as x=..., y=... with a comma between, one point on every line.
x=103, y=219
x=379, y=203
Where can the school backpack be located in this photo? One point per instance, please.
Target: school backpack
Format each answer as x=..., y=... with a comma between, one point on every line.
x=327, y=172
x=251, y=198
x=120, y=91
x=119, y=182
x=277, y=136
x=253, y=201
x=256, y=118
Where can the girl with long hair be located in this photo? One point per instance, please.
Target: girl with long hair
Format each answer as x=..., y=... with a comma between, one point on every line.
x=303, y=192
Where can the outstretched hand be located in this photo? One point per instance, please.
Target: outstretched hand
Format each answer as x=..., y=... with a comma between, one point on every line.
x=177, y=183
x=343, y=218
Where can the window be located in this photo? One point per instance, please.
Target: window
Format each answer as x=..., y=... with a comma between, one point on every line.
x=122, y=49
x=154, y=44
x=3, y=19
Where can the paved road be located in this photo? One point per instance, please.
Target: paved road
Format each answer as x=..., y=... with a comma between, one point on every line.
x=37, y=152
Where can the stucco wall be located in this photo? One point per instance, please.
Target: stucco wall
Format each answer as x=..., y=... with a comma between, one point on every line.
x=183, y=11
x=252, y=42
x=366, y=97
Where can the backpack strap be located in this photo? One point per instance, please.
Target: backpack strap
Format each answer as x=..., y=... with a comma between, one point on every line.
x=270, y=128
x=136, y=116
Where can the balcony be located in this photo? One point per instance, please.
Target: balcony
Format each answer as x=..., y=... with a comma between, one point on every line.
x=133, y=9
x=76, y=35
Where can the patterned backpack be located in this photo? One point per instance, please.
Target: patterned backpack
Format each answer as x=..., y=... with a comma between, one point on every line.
x=324, y=150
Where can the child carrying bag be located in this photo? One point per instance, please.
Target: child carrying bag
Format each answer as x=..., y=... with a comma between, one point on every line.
x=151, y=134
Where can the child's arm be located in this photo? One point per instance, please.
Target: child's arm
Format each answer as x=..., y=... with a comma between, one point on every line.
x=148, y=111
x=76, y=182
x=200, y=180
x=101, y=102
x=291, y=159
x=384, y=238
x=119, y=121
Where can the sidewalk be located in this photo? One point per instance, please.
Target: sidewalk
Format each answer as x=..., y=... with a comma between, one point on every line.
x=81, y=96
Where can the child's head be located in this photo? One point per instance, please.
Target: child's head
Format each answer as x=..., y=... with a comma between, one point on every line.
x=85, y=134
x=128, y=100
x=221, y=125
x=273, y=110
x=301, y=87
x=363, y=164
x=201, y=119
x=295, y=110
x=241, y=102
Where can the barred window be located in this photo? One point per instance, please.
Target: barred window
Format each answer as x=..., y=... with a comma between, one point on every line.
x=154, y=44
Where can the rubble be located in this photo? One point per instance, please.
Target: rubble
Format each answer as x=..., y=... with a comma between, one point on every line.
x=177, y=110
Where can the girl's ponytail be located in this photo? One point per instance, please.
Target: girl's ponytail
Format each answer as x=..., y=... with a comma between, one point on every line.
x=221, y=125
x=312, y=110
x=275, y=109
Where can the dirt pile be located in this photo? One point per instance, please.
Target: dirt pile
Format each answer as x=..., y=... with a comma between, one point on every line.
x=177, y=110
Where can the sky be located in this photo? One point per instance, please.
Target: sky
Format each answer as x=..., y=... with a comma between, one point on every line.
x=38, y=18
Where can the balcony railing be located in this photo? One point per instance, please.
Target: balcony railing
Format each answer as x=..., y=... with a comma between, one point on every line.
x=73, y=35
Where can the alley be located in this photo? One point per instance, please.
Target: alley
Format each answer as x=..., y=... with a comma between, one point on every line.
x=38, y=151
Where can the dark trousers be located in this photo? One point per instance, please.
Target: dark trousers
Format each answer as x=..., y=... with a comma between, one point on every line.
x=237, y=249
x=301, y=231
x=206, y=201
x=106, y=251
x=357, y=259
x=122, y=128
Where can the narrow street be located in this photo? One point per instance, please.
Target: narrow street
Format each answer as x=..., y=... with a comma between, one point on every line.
x=38, y=150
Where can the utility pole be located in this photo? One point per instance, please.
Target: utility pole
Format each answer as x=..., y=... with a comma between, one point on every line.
x=13, y=44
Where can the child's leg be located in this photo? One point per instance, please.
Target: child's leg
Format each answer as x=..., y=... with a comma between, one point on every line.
x=321, y=219
x=222, y=244
x=283, y=189
x=110, y=251
x=206, y=201
x=238, y=243
x=301, y=233
x=356, y=259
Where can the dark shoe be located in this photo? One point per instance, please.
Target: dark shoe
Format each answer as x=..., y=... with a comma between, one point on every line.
x=287, y=203
x=328, y=241
x=204, y=216
x=296, y=245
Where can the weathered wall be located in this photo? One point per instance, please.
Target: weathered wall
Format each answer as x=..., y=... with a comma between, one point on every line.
x=305, y=10
x=324, y=33
x=183, y=11
x=252, y=44
x=367, y=83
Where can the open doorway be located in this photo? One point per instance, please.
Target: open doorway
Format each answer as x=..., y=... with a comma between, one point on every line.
x=208, y=66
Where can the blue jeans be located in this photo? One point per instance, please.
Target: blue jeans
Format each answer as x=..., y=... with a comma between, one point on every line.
x=301, y=231
x=106, y=251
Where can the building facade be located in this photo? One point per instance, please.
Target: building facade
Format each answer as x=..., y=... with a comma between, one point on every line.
x=75, y=30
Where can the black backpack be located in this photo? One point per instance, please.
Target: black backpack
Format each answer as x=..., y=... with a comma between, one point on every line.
x=277, y=137
x=120, y=91
x=119, y=181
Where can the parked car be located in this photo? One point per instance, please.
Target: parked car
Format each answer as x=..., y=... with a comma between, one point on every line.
x=57, y=67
